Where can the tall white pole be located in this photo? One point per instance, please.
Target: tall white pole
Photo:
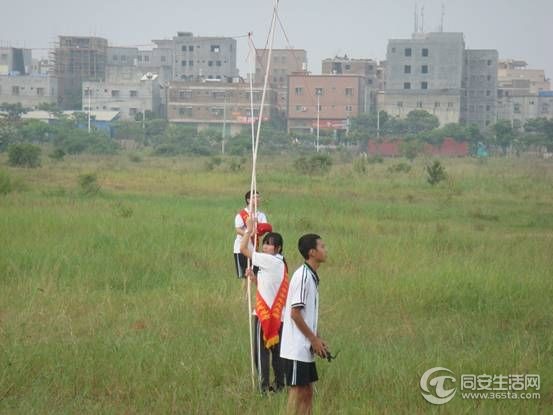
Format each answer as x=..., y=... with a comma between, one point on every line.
x=224, y=124
x=89, y=106
x=318, y=119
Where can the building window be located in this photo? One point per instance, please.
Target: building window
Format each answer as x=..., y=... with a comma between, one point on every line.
x=139, y=58
x=424, y=52
x=218, y=63
x=407, y=85
x=163, y=59
x=319, y=91
x=349, y=108
x=349, y=92
x=133, y=111
x=450, y=104
x=424, y=85
x=134, y=93
x=217, y=111
x=146, y=58
x=185, y=94
x=298, y=108
x=183, y=48
x=183, y=63
x=348, y=67
x=15, y=90
x=40, y=92
x=488, y=108
x=115, y=57
x=489, y=62
x=299, y=91
x=215, y=48
x=190, y=48
x=489, y=77
x=190, y=63
x=436, y=104
x=408, y=52
x=516, y=109
x=320, y=108
x=210, y=63
x=488, y=93
x=114, y=93
x=393, y=50
x=400, y=104
x=424, y=69
x=407, y=69
x=123, y=58
x=419, y=104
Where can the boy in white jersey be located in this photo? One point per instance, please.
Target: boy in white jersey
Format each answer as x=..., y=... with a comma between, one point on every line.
x=272, y=288
x=300, y=341
x=240, y=219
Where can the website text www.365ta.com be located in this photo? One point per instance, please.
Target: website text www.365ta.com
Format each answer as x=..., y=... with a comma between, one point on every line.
x=501, y=395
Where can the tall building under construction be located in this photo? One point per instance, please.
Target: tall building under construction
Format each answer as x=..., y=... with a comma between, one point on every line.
x=77, y=59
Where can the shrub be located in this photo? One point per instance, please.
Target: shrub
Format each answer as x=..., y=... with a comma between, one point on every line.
x=399, y=168
x=135, y=158
x=89, y=184
x=375, y=160
x=24, y=155
x=58, y=154
x=6, y=185
x=435, y=173
x=410, y=149
x=316, y=164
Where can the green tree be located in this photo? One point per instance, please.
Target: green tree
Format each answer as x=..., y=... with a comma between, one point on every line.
x=542, y=131
x=504, y=134
x=420, y=120
x=14, y=111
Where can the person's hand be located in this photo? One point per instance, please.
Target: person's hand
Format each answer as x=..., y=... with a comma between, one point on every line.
x=319, y=347
x=250, y=225
x=250, y=274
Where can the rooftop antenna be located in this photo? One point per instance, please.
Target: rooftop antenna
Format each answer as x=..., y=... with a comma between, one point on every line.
x=443, y=17
x=422, y=19
x=416, y=19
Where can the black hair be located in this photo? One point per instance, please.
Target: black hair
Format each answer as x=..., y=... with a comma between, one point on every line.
x=248, y=195
x=306, y=243
x=275, y=239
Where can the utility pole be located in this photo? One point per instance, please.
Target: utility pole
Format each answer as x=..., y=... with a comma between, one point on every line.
x=224, y=124
x=89, y=91
x=318, y=118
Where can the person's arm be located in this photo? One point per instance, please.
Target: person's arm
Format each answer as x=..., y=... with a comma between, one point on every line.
x=318, y=345
x=244, y=243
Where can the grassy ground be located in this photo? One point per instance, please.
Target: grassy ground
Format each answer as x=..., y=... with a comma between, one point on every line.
x=126, y=301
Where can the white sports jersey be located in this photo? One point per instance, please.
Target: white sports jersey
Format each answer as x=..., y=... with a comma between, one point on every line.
x=239, y=223
x=269, y=277
x=303, y=292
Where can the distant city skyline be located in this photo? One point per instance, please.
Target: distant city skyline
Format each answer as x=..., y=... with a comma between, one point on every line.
x=360, y=29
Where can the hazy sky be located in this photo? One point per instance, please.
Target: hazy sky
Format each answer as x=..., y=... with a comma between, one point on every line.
x=360, y=28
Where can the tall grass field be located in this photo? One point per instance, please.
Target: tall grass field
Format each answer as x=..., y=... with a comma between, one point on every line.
x=118, y=293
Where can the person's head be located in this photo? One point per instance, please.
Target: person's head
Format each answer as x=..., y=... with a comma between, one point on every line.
x=311, y=246
x=248, y=196
x=272, y=243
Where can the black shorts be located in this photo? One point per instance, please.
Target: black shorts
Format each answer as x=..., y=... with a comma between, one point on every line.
x=240, y=264
x=299, y=373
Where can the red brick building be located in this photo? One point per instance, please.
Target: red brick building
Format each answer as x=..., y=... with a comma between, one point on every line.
x=340, y=97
